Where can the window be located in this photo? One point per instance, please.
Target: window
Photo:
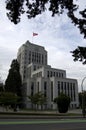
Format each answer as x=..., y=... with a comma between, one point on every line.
x=38, y=86
x=51, y=73
x=62, y=86
x=71, y=86
x=32, y=56
x=32, y=89
x=42, y=59
x=51, y=91
x=45, y=88
x=74, y=91
x=34, y=67
x=62, y=74
x=45, y=85
x=54, y=74
x=57, y=74
x=45, y=59
x=68, y=88
x=48, y=74
x=39, y=58
x=65, y=87
x=58, y=87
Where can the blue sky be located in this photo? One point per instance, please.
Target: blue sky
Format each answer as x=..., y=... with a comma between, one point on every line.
x=57, y=34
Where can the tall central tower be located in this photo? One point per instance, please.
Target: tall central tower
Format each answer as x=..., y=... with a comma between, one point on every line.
x=30, y=53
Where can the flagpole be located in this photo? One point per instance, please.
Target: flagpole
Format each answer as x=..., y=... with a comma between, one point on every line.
x=32, y=38
x=34, y=34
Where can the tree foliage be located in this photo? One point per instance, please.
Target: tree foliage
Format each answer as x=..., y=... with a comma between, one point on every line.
x=38, y=99
x=32, y=8
x=63, y=102
x=13, y=82
x=79, y=54
x=8, y=98
x=84, y=99
x=1, y=87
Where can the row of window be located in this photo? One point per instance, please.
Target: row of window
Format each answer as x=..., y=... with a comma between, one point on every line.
x=36, y=57
x=67, y=88
x=66, y=85
x=37, y=75
x=35, y=67
x=63, y=87
x=55, y=74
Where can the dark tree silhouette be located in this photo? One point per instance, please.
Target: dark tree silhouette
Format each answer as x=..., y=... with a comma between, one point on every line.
x=79, y=54
x=35, y=7
x=13, y=82
x=63, y=102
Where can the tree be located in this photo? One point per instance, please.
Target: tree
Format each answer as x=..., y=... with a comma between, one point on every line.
x=84, y=99
x=35, y=7
x=13, y=82
x=38, y=99
x=8, y=98
x=62, y=102
x=1, y=87
x=79, y=54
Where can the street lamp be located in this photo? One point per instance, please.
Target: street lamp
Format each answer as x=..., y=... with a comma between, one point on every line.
x=83, y=105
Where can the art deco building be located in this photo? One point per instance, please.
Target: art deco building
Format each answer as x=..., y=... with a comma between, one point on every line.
x=38, y=76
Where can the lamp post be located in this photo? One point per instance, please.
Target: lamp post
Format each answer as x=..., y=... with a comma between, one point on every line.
x=83, y=105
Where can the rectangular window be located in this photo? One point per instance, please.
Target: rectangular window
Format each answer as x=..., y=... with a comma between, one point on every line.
x=34, y=67
x=62, y=86
x=58, y=87
x=45, y=85
x=74, y=91
x=32, y=89
x=51, y=73
x=42, y=59
x=39, y=58
x=56, y=74
x=45, y=88
x=38, y=86
x=62, y=75
x=68, y=88
x=59, y=74
x=45, y=59
x=52, y=91
x=48, y=74
x=65, y=87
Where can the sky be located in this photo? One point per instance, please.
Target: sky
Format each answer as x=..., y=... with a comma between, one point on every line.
x=57, y=34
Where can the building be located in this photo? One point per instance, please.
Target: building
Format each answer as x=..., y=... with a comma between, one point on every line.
x=38, y=76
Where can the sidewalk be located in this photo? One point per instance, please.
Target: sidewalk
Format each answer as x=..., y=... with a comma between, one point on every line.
x=72, y=114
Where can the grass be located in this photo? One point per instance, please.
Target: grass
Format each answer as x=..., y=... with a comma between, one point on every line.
x=39, y=113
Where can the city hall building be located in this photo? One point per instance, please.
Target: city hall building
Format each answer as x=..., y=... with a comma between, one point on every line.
x=38, y=76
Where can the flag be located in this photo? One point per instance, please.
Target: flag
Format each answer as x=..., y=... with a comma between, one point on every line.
x=35, y=34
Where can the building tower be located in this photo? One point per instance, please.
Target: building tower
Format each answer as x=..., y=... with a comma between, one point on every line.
x=30, y=53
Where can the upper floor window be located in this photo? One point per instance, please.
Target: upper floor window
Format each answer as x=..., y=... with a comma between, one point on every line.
x=45, y=85
x=47, y=73
x=51, y=73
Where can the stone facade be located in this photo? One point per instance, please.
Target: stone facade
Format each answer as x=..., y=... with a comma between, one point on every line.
x=38, y=76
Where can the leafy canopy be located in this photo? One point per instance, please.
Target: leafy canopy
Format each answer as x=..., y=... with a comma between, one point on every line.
x=8, y=98
x=79, y=54
x=38, y=98
x=63, y=102
x=32, y=8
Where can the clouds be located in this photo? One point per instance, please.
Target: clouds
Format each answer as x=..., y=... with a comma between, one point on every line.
x=6, y=56
x=57, y=34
